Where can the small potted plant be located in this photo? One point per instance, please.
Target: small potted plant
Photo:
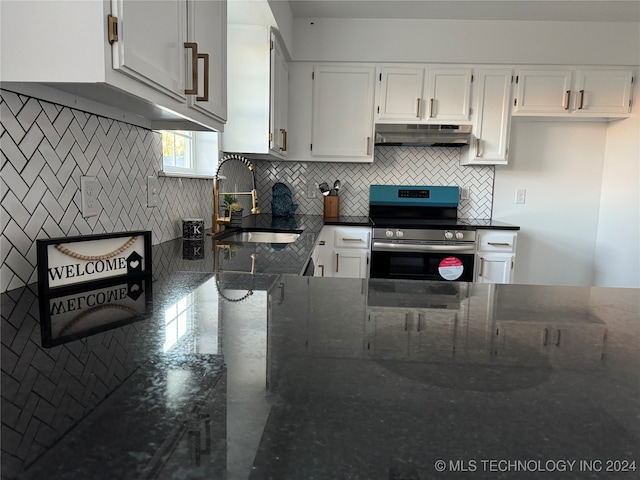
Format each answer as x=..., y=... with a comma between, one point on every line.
x=227, y=201
x=233, y=210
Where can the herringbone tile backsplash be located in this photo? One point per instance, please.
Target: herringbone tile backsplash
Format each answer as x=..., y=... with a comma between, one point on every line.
x=391, y=165
x=46, y=148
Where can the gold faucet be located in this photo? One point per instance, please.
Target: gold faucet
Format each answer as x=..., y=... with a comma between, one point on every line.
x=217, y=221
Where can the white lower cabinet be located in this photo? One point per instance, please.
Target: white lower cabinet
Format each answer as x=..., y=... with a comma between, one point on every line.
x=495, y=256
x=342, y=252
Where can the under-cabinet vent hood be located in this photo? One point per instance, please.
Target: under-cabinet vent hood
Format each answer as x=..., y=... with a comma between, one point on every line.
x=414, y=135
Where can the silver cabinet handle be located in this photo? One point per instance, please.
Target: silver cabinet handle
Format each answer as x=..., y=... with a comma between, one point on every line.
x=368, y=146
x=337, y=262
x=431, y=108
x=418, y=109
x=477, y=147
x=352, y=240
x=481, y=272
x=499, y=244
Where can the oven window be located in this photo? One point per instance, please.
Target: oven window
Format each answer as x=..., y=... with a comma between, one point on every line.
x=406, y=264
x=422, y=266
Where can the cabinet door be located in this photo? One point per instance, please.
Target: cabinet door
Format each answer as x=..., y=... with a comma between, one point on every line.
x=151, y=43
x=492, y=118
x=350, y=263
x=448, y=94
x=494, y=268
x=543, y=92
x=342, y=118
x=279, y=98
x=400, y=93
x=208, y=29
x=603, y=91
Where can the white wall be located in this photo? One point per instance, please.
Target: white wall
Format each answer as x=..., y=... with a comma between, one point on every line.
x=463, y=41
x=560, y=165
x=617, y=258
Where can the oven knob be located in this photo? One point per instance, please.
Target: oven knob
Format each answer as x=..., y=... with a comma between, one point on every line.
x=399, y=233
x=448, y=235
x=389, y=233
x=459, y=235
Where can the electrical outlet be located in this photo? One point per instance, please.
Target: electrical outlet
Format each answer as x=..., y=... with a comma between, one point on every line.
x=89, y=189
x=312, y=188
x=521, y=195
x=153, y=191
x=464, y=193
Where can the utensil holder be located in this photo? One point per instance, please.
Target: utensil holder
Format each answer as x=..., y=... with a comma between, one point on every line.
x=331, y=207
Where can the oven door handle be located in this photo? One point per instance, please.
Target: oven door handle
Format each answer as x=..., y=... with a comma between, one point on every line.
x=413, y=247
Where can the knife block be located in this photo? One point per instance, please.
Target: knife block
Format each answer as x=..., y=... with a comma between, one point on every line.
x=331, y=207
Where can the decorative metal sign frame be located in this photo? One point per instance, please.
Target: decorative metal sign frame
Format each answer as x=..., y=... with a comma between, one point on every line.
x=91, y=260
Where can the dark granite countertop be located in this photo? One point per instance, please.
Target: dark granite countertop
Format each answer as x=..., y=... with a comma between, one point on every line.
x=270, y=376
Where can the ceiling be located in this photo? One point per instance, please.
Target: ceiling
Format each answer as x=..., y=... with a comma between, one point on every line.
x=543, y=10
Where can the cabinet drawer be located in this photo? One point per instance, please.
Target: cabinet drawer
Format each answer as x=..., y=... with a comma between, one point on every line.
x=352, y=237
x=497, y=242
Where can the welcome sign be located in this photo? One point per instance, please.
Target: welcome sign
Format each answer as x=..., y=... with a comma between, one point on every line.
x=71, y=261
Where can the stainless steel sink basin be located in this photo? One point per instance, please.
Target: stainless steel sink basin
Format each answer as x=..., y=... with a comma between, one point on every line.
x=262, y=237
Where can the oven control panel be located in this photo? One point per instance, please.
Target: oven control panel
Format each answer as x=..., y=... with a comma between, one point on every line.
x=425, y=235
x=405, y=193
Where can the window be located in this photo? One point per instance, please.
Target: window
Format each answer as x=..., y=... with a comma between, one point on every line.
x=191, y=154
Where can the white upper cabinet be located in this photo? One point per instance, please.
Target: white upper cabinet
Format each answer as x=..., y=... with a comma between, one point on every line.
x=542, y=92
x=258, y=83
x=127, y=56
x=141, y=51
x=400, y=95
x=421, y=94
x=492, y=118
x=278, y=131
x=601, y=93
x=448, y=95
x=207, y=28
x=342, y=112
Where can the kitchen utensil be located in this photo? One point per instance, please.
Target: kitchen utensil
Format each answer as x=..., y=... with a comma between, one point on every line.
x=336, y=186
x=324, y=188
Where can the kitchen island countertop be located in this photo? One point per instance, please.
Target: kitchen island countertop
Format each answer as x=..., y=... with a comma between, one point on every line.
x=326, y=378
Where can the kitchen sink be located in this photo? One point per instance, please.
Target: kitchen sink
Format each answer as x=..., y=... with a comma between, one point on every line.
x=249, y=236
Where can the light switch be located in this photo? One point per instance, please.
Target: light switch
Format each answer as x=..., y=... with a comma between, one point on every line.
x=153, y=191
x=521, y=195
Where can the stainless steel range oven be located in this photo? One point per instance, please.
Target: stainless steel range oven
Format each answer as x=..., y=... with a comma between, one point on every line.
x=416, y=234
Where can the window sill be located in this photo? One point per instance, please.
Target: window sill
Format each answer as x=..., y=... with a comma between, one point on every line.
x=162, y=173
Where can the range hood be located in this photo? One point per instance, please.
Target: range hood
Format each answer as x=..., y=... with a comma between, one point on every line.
x=414, y=135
